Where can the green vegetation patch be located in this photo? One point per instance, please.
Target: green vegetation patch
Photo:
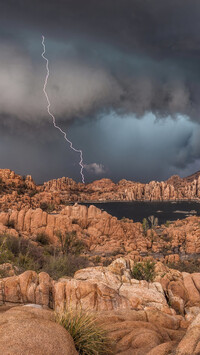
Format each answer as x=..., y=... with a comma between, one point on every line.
x=143, y=271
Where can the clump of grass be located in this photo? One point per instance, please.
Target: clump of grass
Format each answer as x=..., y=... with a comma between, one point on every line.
x=89, y=337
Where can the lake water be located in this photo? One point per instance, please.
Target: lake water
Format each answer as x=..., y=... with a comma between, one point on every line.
x=164, y=211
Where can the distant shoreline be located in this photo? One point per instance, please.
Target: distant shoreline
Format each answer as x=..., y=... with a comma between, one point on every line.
x=131, y=201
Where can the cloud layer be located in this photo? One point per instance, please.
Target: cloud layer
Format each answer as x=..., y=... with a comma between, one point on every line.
x=113, y=66
x=133, y=56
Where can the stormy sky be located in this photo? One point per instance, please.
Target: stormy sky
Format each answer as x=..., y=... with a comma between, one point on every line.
x=124, y=84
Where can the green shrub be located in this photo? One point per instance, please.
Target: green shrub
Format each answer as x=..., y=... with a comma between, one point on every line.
x=6, y=256
x=143, y=271
x=89, y=338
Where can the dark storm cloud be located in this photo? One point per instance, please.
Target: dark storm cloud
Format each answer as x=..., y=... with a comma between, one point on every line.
x=145, y=52
x=108, y=59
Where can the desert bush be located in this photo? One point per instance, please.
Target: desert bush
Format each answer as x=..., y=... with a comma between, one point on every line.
x=69, y=243
x=42, y=238
x=89, y=337
x=21, y=252
x=57, y=267
x=107, y=262
x=25, y=262
x=6, y=256
x=143, y=271
x=12, y=244
x=47, y=207
x=63, y=265
x=26, y=255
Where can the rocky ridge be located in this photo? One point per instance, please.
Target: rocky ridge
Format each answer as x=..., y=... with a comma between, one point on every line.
x=18, y=192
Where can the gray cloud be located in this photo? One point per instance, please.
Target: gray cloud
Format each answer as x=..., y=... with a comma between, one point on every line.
x=74, y=89
x=94, y=168
x=130, y=57
x=145, y=54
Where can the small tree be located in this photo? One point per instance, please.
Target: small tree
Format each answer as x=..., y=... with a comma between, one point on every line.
x=145, y=225
x=69, y=243
x=143, y=271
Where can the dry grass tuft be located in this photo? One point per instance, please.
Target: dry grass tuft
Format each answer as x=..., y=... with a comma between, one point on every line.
x=89, y=337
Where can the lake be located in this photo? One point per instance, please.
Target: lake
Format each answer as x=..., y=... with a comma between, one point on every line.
x=137, y=210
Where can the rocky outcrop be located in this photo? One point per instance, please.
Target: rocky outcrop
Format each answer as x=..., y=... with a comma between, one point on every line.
x=107, y=288
x=30, y=330
x=95, y=289
x=160, y=317
x=10, y=179
x=21, y=192
x=105, y=190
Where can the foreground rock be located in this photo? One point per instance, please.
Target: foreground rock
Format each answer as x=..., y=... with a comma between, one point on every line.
x=190, y=344
x=135, y=314
x=27, y=330
x=140, y=333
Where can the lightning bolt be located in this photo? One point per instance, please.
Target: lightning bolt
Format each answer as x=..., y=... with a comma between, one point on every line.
x=52, y=116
